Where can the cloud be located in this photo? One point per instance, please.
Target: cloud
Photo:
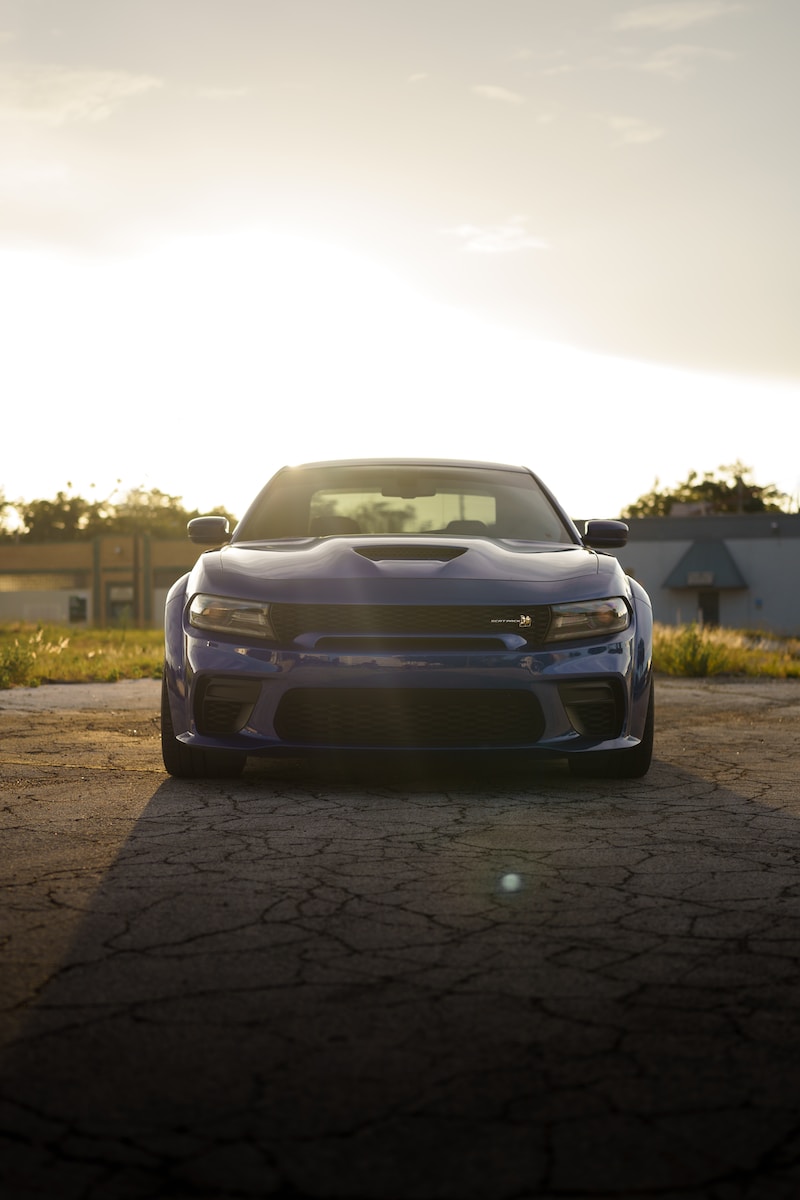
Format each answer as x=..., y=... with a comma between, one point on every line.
x=633, y=131
x=497, y=239
x=673, y=15
x=418, y=78
x=55, y=95
x=678, y=62
x=489, y=92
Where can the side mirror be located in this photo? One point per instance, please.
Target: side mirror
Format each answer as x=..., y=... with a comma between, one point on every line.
x=209, y=531
x=606, y=535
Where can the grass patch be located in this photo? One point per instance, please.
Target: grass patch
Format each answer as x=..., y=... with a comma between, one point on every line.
x=694, y=651
x=34, y=654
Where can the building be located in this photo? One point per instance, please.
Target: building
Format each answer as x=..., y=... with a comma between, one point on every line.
x=741, y=571
x=110, y=580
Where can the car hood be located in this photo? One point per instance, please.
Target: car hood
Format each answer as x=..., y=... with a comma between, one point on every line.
x=393, y=570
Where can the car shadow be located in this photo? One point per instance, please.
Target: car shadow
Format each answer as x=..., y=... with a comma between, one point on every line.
x=362, y=977
x=416, y=770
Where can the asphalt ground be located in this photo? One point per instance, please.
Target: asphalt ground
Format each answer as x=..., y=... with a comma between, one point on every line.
x=397, y=979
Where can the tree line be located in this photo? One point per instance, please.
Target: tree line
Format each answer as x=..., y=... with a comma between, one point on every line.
x=72, y=518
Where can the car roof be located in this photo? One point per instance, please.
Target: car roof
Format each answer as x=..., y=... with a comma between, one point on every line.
x=405, y=462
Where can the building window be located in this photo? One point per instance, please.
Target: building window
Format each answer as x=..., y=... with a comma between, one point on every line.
x=119, y=603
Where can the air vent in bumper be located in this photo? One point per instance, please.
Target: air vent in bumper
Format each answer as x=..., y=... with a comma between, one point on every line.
x=224, y=705
x=406, y=717
x=595, y=707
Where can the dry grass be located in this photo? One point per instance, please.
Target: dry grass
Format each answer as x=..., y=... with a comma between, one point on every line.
x=35, y=654
x=690, y=650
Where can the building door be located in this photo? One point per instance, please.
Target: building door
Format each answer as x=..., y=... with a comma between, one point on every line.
x=708, y=608
x=119, y=604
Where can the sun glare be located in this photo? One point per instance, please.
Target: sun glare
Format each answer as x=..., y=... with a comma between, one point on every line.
x=204, y=364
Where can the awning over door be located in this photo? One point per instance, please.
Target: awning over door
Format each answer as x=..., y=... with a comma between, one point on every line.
x=706, y=564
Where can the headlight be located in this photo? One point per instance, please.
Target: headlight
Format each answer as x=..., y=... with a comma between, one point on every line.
x=587, y=618
x=221, y=614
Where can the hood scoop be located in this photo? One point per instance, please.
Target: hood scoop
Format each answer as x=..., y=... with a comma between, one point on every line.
x=405, y=553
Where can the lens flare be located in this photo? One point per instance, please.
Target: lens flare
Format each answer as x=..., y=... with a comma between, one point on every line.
x=510, y=883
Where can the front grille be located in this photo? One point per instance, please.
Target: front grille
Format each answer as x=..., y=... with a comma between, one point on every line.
x=595, y=708
x=404, y=645
x=290, y=621
x=224, y=705
x=405, y=717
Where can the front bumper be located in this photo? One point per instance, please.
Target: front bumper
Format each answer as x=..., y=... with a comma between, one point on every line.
x=571, y=698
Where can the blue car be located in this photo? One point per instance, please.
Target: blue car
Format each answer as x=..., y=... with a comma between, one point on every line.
x=413, y=605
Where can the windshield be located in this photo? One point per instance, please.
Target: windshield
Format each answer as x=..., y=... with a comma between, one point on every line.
x=391, y=499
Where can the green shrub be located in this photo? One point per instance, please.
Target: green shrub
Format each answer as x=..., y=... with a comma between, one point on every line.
x=690, y=650
x=16, y=663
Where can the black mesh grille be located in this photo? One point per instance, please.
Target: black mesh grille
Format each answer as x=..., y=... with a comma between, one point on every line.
x=224, y=705
x=425, y=718
x=413, y=645
x=292, y=620
x=595, y=709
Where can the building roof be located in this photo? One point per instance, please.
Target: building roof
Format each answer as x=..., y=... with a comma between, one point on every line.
x=706, y=564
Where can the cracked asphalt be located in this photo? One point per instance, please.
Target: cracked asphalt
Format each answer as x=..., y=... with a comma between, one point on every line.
x=396, y=979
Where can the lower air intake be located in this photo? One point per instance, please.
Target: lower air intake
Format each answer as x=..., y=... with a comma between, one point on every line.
x=595, y=709
x=224, y=705
x=409, y=717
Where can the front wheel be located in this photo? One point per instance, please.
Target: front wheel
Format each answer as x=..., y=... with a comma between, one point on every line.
x=194, y=762
x=620, y=764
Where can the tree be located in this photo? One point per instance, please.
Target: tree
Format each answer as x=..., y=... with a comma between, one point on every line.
x=61, y=520
x=72, y=518
x=5, y=506
x=729, y=489
x=153, y=512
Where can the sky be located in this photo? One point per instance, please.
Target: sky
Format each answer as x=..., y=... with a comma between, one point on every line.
x=240, y=233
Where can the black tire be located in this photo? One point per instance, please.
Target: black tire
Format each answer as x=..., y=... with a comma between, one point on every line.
x=620, y=764
x=191, y=762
